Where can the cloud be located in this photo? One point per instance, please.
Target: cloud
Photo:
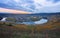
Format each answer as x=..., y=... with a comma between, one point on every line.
x=46, y=6
x=34, y=6
x=2, y=10
x=52, y=9
x=54, y=1
x=19, y=4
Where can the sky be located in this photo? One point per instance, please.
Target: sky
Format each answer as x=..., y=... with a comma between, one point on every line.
x=2, y=10
x=32, y=6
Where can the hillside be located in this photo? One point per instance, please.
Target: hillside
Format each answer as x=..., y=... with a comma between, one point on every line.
x=51, y=29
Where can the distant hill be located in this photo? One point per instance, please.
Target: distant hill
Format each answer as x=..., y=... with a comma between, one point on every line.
x=42, y=14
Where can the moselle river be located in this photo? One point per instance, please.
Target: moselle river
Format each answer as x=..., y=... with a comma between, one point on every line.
x=41, y=21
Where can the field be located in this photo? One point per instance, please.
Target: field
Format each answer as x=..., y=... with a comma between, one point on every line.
x=51, y=29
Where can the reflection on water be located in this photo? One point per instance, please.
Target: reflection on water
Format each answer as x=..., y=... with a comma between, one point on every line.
x=28, y=23
x=4, y=19
x=41, y=21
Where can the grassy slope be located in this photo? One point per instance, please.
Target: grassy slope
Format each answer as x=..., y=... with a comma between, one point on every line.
x=48, y=30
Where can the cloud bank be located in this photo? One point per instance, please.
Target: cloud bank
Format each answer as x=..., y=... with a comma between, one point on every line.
x=47, y=6
x=2, y=10
x=34, y=6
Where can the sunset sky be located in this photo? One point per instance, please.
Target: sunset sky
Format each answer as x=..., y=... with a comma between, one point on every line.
x=2, y=10
x=30, y=6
